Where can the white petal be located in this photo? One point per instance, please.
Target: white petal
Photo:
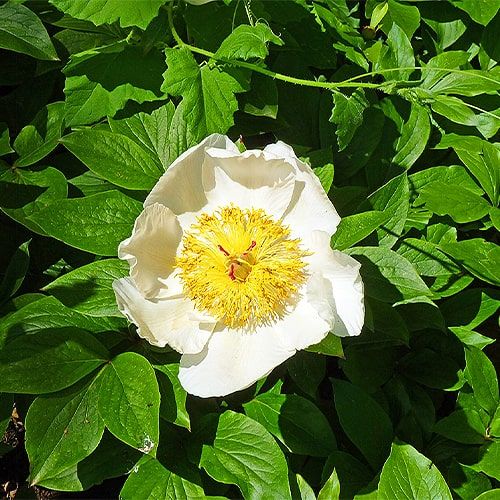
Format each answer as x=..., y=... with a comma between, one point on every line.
x=151, y=249
x=342, y=271
x=180, y=188
x=310, y=209
x=248, y=180
x=233, y=359
x=172, y=321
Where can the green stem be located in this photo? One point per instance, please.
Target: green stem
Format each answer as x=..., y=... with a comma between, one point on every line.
x=350, y=82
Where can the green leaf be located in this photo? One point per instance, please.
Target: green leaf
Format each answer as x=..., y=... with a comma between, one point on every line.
x=489, y=458
x=482, y=15
x=452, y=175
x=48, y=313
x=173, y=396
x=347, y=114
x=331, y=345
x=295, y=421
x=150, y=131
x=100, y=81
x=151, y=480
x=89, y=289
x=414, y=136
x=469, y=337
x=470, y=83
x=471, y=307
x=457, y=111
x=409, y=474
x=392, y=200
x=306, y=492
x=489, y=495
x=95, y=223
x=466, y=482
x=432, y=369
x=364, y=421
x=357, y=227
x=111, y=459
x=462, y=426
x=4, y=140
x=247, y=42
x=352, y=473
x=331, y=489
x=108, y=11
x=22, y=31
x=388, y=276
x=262, y=98
x=407, y=17
x=63, y=355
x=479, y=257
x=129, y=401
x=208, y=93
x=398, y=53
x=24, y=193
x=325, y=176
x=482, y=377
x=41, y=136
x=481, y=158
x=15, y=272
x=307, y=370
x=115, y=157
x=427, y=258
x=62, y=429
x=245, y=454
x=459, y=203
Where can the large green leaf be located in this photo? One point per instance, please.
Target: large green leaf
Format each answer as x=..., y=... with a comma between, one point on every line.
x=388, y=276
x=129, y=401
x=481, y=375
x=63, y=355
x=173, y=396
x=247, y=42
x=414, y=136
x=479, y=257
x=89, y=289
x=41, y=136
x=49, y=313
x=208, y=92
x=409, y=474
x=115, y=157
x=355, y=228
x=15, y=272
x=364, y=421
x=151, y=480
x=245, y=454
x=62, y=429
x=151, y=131
x=295, y=421
x=347, y=114
x=96, y=223
x=137, y=13
x=22, y=31
x=99, y=82
x=23, y=193
x=392, y=200
x=459, y=203
x=482, y=15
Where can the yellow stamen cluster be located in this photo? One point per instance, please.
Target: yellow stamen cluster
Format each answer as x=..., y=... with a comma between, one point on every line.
x=241, y=266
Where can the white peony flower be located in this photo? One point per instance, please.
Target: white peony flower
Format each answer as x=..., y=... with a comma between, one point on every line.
x=231, y=265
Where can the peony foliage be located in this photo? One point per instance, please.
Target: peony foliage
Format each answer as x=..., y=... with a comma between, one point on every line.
x=249, y=249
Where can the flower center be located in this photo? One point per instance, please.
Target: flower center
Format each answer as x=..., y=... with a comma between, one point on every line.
x=241, y=266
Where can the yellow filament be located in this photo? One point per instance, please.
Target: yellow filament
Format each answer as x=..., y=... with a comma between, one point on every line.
x=241, y=266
